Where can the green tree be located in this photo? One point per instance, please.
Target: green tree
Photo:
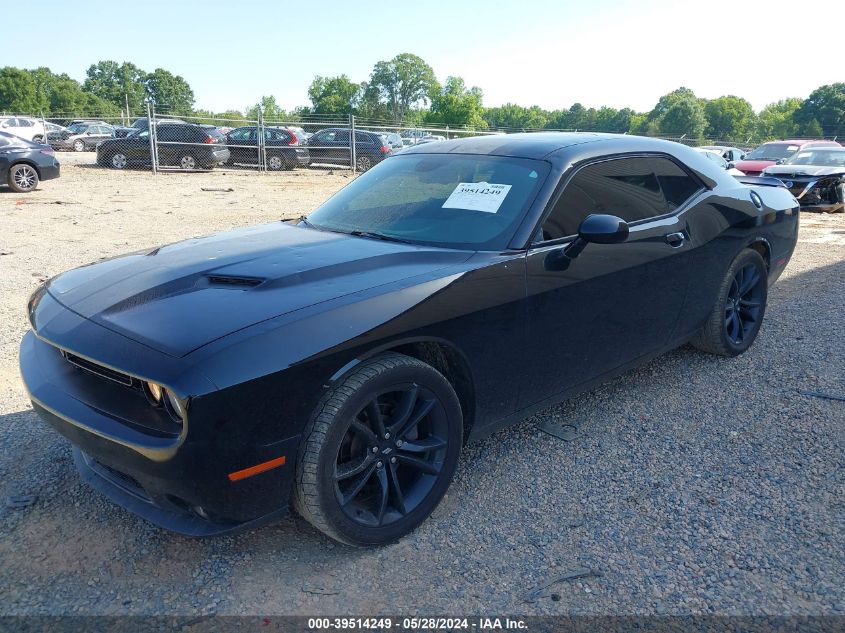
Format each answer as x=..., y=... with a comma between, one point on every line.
x=457, y=105
x=777, y=120
x=333, y=95
x=516, y=117
x=272, y=111
x=403, y=82
x=823, y=112
x=677, y=113
x=117, y=83
x=170, y=93
x=17, y=91
x=729, y=117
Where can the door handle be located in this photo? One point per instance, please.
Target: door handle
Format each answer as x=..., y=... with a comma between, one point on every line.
x=675, y=240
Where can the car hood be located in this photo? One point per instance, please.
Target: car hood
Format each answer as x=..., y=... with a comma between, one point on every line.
x=753, y=165
x=180, y=297
x=794, y=171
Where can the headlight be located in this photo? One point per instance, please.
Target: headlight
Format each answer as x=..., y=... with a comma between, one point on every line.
x=153, y=392
x=176, y=407
x=32, y=304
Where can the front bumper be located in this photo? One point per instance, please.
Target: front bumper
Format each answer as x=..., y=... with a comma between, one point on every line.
x=178, y=481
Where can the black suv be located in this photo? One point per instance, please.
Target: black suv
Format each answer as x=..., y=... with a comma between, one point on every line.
x=139, y=126
x=282, y=148
x=183, y=145
x=332, y=146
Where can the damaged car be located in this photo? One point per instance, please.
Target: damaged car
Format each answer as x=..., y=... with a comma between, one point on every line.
x=816, y=177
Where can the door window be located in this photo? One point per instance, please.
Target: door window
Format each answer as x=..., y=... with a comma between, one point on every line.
x=631, y=188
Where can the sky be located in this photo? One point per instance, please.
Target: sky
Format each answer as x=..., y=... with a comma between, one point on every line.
x=544, y=52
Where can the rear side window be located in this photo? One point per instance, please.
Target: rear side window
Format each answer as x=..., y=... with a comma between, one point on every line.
x=631, y=188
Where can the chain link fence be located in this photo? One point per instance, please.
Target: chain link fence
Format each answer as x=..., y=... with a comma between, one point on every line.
x=162, y=143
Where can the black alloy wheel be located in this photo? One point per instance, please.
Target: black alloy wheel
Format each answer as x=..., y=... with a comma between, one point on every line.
x=391, y=455
x=744, y=304
x=379, y=452
x=737, y=314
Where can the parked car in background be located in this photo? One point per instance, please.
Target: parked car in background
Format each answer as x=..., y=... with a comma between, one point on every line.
x=730, y=154
x=716, y=156
x=23, y=163
x=815, y=176
x=25, y=127
x=431, y=138
x=394, y=140
x=140, y=125
x=332, y=146
x=300, y=133
x=281, y=146
x=775, y=152
x=183, y=145
x=80, y=137
x=407, y=141
x=53, y=127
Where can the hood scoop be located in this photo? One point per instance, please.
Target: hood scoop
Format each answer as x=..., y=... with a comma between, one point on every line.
x=233, y=282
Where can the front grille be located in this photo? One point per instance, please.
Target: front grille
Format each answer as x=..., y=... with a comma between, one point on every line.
x=98, y=370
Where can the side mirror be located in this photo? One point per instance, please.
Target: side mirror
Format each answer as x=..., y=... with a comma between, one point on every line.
x=597, y=228
x=779, y=161
x=731, y=165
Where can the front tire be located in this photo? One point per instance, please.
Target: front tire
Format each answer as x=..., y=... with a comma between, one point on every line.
x=23, y=178
x=119, y=160
x=736, y=317
x=79, y=145
x=379, y=451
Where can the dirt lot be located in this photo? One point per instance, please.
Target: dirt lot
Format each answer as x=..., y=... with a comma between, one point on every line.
x=694, y=485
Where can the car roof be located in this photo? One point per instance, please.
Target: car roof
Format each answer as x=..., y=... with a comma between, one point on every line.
x=536, y=145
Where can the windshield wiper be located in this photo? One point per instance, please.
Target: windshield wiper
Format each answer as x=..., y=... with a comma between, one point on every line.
x=378, y=236
x=303, y=220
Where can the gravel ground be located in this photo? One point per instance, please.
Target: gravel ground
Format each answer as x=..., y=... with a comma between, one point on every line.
x=695, y=484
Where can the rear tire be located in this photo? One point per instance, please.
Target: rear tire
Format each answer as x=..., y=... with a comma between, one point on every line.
x=275, y=162
x=379, y=451
x=23, y=178
x=738, y=313
x=188, y=162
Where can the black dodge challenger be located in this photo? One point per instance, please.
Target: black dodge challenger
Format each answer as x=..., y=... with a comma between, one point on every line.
x=339, y=363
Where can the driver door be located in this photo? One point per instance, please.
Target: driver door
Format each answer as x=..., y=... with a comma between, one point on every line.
x=615, y=303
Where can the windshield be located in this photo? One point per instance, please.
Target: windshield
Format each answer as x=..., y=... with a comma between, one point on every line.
x=448, y=200
x=139, y=124
x=772, y=151
x=823, y=157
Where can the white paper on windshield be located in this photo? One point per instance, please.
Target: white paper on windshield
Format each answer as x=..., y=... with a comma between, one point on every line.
x=791, y=148
x=477, y=196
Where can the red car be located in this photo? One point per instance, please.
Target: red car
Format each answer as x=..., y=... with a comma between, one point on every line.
x=774, y=153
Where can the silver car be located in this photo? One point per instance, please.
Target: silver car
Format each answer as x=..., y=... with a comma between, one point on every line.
x=81, y=137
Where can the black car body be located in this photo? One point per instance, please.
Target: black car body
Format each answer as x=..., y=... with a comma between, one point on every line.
x=24, y=163
x=504, y=297
x=184, y=145
x=141, y=125
x=80, y=137
x=815, y=176
x=282, y=148
x=332, y=146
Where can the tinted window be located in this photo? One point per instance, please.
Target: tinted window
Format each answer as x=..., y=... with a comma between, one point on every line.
x=243, y=134
x=461, y=201
x=630, y=188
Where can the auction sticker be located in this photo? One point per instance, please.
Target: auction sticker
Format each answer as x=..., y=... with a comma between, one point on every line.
x=477, y=196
